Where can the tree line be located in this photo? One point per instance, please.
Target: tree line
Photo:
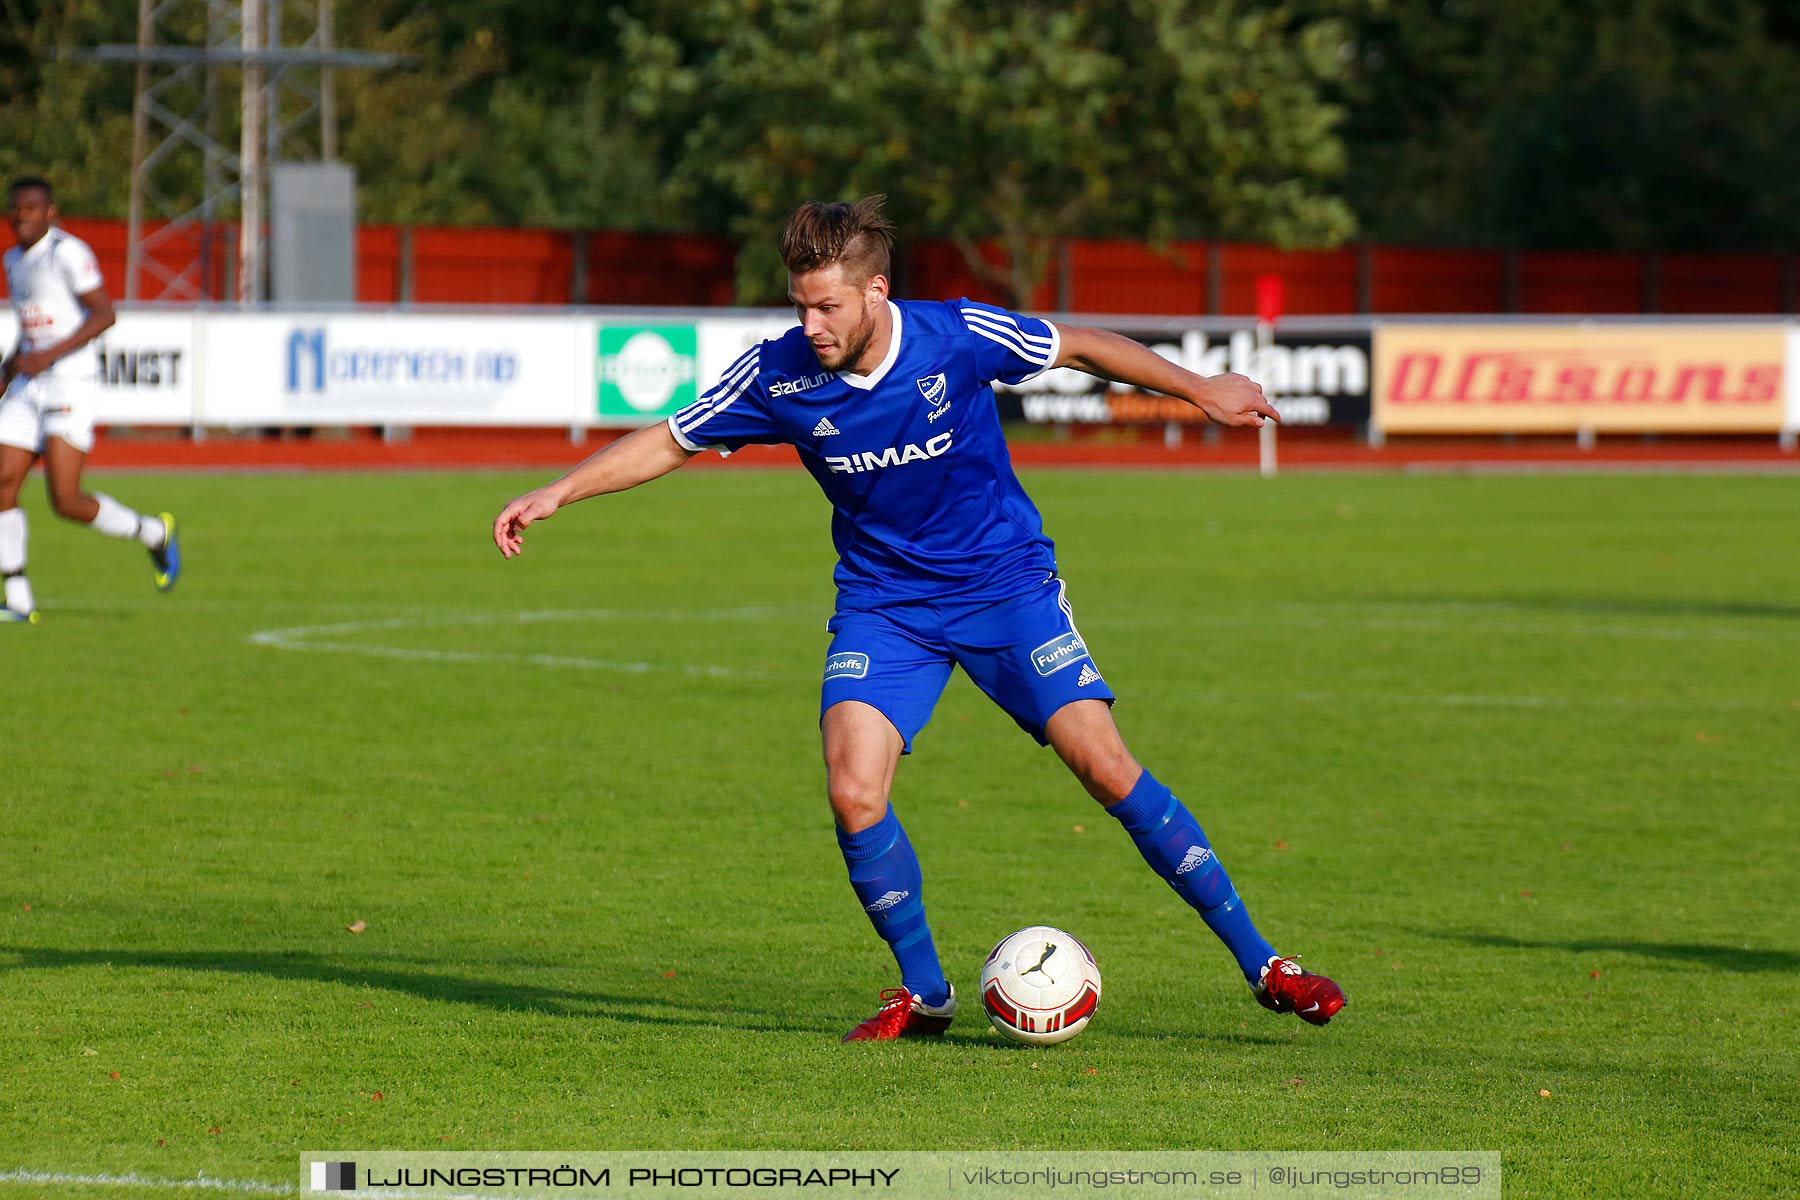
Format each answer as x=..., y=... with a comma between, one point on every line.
x=1598, y=124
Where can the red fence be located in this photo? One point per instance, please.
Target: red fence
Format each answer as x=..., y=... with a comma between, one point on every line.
x=434, y=264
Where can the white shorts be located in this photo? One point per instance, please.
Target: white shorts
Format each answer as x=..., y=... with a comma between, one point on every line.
x=37, y=407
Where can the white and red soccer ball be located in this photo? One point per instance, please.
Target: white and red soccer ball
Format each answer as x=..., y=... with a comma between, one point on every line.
x=1040, y=986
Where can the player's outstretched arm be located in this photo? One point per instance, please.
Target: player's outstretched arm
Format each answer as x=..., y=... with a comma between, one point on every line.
x=100, y=317
x=1225, y=399
x=635, y=458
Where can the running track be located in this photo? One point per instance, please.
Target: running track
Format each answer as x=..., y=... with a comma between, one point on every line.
x=1309, y=449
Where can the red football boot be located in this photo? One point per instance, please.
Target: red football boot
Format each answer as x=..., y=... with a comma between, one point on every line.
x=904, y=1015
x=1286, y=988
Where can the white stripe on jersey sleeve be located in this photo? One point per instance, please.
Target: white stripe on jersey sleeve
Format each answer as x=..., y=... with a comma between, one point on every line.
x=1003, y=323
x=1010, y=339
x=744, y=366
x=686, y=443
x=735, y=383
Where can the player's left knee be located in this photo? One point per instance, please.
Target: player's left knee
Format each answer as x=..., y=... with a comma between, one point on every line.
x=67, y=504
x=1108, y=774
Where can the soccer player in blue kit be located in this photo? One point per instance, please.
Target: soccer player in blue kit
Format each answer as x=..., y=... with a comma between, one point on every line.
x=942, y=562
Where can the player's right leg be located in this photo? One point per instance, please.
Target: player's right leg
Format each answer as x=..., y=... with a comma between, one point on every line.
x=18, y=450
x=880, y=686
x=65, y=454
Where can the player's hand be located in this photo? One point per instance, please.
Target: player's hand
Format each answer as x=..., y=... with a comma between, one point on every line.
x=1236, y=400
x=33, y=363
x=509, y=526
x=8, y=369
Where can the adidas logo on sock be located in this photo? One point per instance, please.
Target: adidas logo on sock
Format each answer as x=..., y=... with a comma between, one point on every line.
x=1088, y=675
x=825, y=428
x=1195, y=856
x=887, y=901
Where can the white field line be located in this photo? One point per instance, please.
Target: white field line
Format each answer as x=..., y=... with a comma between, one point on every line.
x=308, y=637
x=1479, y=623
x=1360, y=701
x=139, y=1182
x=206, y=1183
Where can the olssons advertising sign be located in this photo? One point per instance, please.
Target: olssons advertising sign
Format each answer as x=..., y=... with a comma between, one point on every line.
x=1625, y=378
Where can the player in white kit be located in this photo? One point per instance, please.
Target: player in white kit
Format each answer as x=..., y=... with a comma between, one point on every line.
x=61, y=301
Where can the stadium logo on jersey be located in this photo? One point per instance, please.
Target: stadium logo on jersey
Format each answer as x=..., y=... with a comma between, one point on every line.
x=1058, y=653
x=825, y=428
x=887, y=901
x=788, y=387
x=1196, y=855
x=1088, y=675
x=893, y=456
x=847, y=664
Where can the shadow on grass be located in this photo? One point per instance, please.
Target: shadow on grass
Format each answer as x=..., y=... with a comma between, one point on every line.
x=494, y=994
x=1722, y=958
x=1591, y=606
x=530, y=998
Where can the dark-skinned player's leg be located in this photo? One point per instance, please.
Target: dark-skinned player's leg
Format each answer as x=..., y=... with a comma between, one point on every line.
x=63, y=464
x=15, y=463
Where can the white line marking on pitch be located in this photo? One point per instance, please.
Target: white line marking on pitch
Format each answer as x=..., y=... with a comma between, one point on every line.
x=199, y=1183
x=1476, y=700
x=209, y=1184
x=1480, y=622
x=304, y=637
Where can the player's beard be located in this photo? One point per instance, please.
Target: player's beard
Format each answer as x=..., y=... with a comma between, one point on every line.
x=854, y=346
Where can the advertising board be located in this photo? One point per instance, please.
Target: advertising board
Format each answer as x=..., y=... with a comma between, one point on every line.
x=1315, y=378
x=1561, y=378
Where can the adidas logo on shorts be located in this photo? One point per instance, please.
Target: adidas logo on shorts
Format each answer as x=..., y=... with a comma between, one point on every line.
x=1088, y=675
x=825, y=428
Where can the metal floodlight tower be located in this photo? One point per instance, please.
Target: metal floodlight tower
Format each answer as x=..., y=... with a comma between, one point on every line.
x=282, y=57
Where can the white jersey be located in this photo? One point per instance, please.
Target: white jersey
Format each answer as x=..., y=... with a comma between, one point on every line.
x=44, y=283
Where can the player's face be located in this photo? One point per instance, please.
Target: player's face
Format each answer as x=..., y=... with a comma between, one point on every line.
x=29, y=212
x=838, y=312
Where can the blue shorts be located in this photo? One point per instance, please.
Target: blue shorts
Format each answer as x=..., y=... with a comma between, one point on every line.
x=1024, y=652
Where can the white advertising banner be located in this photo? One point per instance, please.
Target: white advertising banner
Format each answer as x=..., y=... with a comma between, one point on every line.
x=139, y=372
x=395, y=369
x=1792, y=422
x=145, y=369
x=724, y=339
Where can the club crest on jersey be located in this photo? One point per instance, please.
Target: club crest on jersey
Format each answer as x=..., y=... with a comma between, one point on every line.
x=893, y=456
x=936, y=390
x=1058, y=653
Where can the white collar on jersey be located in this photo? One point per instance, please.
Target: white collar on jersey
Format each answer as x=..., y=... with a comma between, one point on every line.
x=869, y=381
x=42, y=245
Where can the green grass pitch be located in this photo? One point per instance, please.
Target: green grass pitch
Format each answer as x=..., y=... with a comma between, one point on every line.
x=1514, y=759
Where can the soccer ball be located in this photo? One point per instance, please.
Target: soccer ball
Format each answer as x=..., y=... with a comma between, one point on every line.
x=1040, y=986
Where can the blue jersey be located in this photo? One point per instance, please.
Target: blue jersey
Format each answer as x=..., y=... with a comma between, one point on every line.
x=911, y=456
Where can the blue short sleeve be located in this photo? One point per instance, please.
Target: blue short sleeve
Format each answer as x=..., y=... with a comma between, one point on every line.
x=1010, y=347
x=733, y=413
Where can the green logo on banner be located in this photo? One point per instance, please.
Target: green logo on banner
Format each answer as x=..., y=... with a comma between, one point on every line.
x=647, y=370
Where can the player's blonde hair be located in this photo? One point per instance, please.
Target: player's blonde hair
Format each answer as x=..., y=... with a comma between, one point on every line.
x=856, y=235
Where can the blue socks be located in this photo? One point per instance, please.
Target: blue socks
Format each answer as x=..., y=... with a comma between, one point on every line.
x=1171, y=842
x=885, y=873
